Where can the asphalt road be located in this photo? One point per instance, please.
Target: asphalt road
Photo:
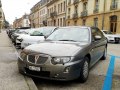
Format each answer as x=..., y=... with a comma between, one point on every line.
x=96, y=79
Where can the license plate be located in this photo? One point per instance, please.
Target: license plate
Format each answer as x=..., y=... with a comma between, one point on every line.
x=33, y=68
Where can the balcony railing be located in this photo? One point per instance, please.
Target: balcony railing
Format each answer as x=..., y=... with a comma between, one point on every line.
x=53, y=14
x=84, y=13
x=96, y=10
x=75, y=1
x=75, y=15
x=113, y=6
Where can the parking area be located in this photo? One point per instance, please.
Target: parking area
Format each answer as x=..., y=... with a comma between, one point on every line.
x=97, y=78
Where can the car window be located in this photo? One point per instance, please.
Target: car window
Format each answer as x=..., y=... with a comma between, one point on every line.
x=96, y=32
x=47, y=31
x=36, y=33
x=70, y=34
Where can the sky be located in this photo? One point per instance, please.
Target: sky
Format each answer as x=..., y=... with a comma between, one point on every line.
x=16, y=8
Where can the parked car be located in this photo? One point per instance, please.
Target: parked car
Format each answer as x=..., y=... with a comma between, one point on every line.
x=38, y=35
x=67, y=54
x=115, y=38
x=19, y=39
x=17, y=33
x=10, y=32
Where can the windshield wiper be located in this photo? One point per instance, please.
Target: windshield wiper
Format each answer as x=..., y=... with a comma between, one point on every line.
x=67, y=40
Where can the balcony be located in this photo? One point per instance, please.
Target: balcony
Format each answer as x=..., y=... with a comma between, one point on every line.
x=75, y=15
x=75, y=1
x=53, y=14
x=96, y=10
x=84, y=13
x=113, y=6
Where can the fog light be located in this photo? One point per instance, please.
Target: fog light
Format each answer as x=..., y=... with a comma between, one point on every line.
x=67, y=69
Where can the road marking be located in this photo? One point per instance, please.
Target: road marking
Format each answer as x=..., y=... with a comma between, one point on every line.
x=108, y=79
x=114, y=55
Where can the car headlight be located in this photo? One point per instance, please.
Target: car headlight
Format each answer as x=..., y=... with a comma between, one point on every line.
x=23, y=55
x=60, y=60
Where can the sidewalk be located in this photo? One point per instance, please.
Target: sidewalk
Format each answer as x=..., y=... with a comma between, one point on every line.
x=10, y=79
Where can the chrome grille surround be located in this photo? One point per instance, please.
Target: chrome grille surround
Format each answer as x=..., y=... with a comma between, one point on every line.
x=38, y=59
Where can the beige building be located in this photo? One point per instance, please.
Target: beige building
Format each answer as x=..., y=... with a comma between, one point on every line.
x=104, y=14
x=22, y=22
x=2, y=17
x=35, y=16
x=56, y=12
x=43, y=13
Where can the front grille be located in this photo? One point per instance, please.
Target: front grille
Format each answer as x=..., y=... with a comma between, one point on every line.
x=41, y=59
x=41, y=73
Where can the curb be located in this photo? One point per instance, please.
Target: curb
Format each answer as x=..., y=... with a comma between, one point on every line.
x=30, y=83
x=28, y=80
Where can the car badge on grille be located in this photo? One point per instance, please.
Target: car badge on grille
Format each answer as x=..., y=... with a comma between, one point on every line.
x=36, y=58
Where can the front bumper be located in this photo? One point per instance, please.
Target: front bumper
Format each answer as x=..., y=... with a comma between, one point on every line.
x=52, y=72
x=114, y=40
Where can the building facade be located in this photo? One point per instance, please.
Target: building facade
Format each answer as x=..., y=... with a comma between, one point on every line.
x=104, y=14
x=22, y=22
x=35, y=16
x=43, y=13
x=2, y=17
x=56, y=12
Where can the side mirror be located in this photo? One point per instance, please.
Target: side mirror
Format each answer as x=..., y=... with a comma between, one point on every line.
x=45, y=37
x=97, y=37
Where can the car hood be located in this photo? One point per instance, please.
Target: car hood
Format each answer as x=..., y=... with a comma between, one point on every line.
x=28, y=39
x=56, y=48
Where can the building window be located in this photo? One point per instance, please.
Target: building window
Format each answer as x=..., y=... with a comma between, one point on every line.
x=113, y=23
x=84, y=6
x=64, y=21
x=68, y=10
x=75, y=23
x=58, y=8
x=96, y=22
x=64, y=7
x=68, y=23
x=97, y=4
x=76, y=9
x=84, y=22
x=58, y=22
x=113, y=5
x=61, y=7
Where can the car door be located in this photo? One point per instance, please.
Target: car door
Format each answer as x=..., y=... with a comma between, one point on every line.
x=97, y=45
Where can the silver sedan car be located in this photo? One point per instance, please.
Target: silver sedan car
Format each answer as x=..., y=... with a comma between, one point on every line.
x=67, y=54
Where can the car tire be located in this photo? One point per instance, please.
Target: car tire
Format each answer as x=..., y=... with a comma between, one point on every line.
x=104, y=54
x=116, y=42
x=84, y=70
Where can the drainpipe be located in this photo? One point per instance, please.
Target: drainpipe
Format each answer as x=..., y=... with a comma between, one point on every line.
x=103, y=17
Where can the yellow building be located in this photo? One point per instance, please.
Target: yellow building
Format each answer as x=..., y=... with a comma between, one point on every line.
x=104, y=14
x=2, y=17
x=56, y=12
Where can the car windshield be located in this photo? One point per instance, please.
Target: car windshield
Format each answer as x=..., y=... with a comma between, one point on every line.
x=47, y=31
x=107, y=32
x=36, y=33
x=21, y=32
x=70, y=34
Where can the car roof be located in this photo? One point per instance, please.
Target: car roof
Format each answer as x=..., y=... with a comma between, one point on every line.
x=75, y=27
